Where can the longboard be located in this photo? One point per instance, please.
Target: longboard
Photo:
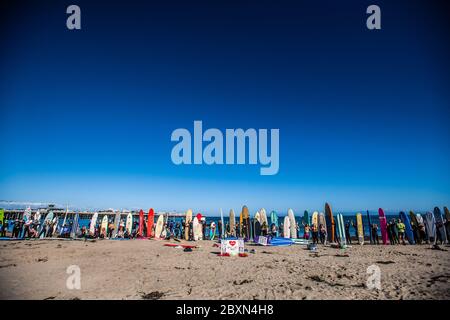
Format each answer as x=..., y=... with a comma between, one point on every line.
x=369, y=221
x=430, y=225
x=330, y=223
x=129, y=223
x=222, y=228
x=292, y=224
x=141, y=223
x=274, y=220
x=315, y=219
x=246, y=221
x=408, y=229
x=306, y=217
x=196, y=228
x=241, y=222
x=93, y=223
x=116, y=224
x=322, y=221
x=341, y=230
x=73, y=231
x=263, y=217
x=383, y=226
x=415, y=223
x=360, y=228
x=104, y=226
x=159, y=226
x=187, y=225
x=150, y=222
x=440, y=224
x=48, y=218
x=232, y=224
x=287, y=227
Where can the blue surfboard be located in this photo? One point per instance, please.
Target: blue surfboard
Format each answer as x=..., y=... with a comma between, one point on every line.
x=408, y=229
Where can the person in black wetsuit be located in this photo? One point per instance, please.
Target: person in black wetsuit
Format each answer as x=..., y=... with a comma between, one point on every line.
x=375, y=234
x=348, y=238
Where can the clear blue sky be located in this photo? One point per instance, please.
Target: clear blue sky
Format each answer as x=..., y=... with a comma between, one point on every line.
x=363, y=115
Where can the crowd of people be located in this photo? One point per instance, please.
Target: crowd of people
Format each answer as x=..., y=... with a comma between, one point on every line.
x=177, y=229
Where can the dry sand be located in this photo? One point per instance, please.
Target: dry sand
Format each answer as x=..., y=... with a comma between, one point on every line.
x=145, y=269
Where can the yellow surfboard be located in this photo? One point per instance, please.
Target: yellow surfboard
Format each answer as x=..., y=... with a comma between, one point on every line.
x=359, y=226
x=188, y=221
x=315, y=219
x=159, y=226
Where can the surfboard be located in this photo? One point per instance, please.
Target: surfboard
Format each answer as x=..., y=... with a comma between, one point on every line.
x=141, y=223
x=274, y=220
x=64, y=221
x=369, y=221
x=263, y=217
x=116, y=224
x=232, y=223
x=419, y=218
x=54, y=224
x=360, y=228
x=430, y=226
x=47, y=219
x=222, y=231
x=246, y=222
x=292, y=224
x=2, y=215
x=241, y=222
x=195, y=226
x=447, y=217
x=383, y=226
x=408, y=229
x=187, y=224
x=73, y=230
x=104, y=226
x=341, y=230
x=93, y=223
x=150, y=222
x=27, y=214
x=287, y=227
x=129, y=223
x=330, y=223
x=321, y=220
x=315, y=219
x=306, y=217
x=257, y=230
x=212, y=230
x=414, y=224
x=440, y=224
x=159, y=226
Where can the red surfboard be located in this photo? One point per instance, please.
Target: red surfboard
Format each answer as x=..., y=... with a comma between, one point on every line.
x=150, y=222
x=141, y=223
x=383, y=225
x=179, y=245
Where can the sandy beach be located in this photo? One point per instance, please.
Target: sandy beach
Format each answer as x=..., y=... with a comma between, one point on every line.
x=145, y=269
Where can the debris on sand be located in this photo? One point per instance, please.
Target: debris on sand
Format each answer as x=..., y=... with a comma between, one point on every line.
x=154, y=295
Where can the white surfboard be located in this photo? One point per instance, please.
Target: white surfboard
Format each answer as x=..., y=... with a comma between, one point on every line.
x=93, y=223
x=287, y=227
x=129, y=223
x=159, y=226
x=293, y=229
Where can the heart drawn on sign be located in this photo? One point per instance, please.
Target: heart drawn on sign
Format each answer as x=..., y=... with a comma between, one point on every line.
x=232, y=243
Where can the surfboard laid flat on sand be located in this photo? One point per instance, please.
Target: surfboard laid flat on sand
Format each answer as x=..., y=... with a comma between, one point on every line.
x=360, y=228
x=383, y=226
x=292, y=224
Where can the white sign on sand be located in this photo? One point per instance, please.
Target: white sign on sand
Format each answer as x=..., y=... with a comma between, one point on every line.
x=232, y=247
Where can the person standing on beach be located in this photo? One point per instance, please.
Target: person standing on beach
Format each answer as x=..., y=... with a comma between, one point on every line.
x=191, y=231
x=306, y=231
x=394, y=232
x=422, y=233
x=323, y=233
x=401, y=231
x=348, y=238
x=315, y=234
x=111, y=228
x=264, y=229
x=375, y=234
x=4, y=227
